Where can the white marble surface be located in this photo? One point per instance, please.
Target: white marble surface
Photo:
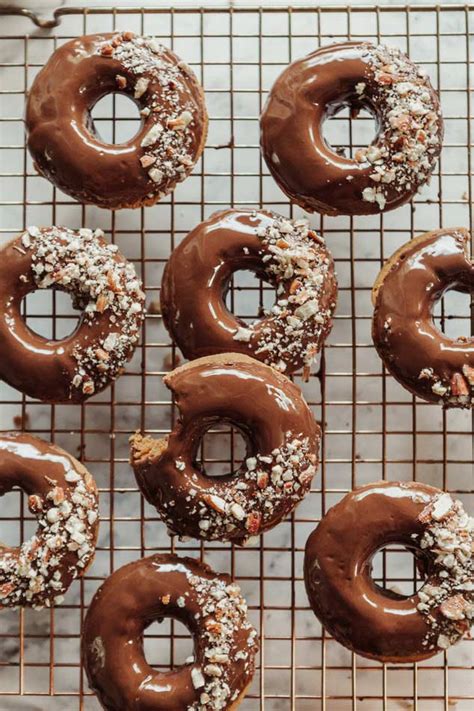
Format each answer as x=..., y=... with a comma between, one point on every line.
x=271, y=573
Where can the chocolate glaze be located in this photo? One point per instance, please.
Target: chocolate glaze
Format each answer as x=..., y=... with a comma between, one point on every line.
x=149, y=590
x=45, y=369
x=271, y=414
x=49, y=476
x=367, y=619
x=233, y=240
x=61, y=135
x=418, y=355
x=308, y=92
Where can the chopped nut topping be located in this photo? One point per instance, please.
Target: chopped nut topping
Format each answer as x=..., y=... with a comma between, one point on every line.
x=197, y=678
x=265, y=485
x=141, y=86
x=297, y=262
x=156, y=175
x=107, y=50
x=447, y=599
x=121, y=81
x=439, y=389
x=243, y=334
x=147, y=160
x=214, y=677
x=410, y=137
x=459, y=385
x=468, y=372
x=162, y=85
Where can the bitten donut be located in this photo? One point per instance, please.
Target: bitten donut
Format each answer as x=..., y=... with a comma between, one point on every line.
x=63, y=497
x=62, y=139
x=358, y=75
x=382, y=624
x=103, y=286
x=282, y=450
x=422, y=358
x=285, y=253
x=148, y=590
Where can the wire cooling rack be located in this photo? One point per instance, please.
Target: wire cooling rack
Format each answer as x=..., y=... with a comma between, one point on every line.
x=373, y=428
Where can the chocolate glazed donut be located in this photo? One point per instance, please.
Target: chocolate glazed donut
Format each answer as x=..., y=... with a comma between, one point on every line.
x=282, y=447
x=422, y=358
x=286, y=253
x=383, y=176
x=63, y=497
x=148, y=590
x=61, y=135
x=104, y=287
x=382, y=624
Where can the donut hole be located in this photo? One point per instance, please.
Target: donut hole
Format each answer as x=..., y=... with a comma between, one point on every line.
x=452, y=314
x=248, y=296
x=115, y=119
x=167, y=644
x=50, y=313
x=395, y=571
x=10, y=513
x=222, y=451
x=347, y=128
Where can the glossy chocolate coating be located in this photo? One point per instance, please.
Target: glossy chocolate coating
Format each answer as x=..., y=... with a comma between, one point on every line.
x=197, y=316
x=269, y=411
x=415, y=352
x=61, y=136
x=43, y=368
x=131, y=599
x=305, y=166
x=337, y=570
x=41, y=469
x=196, y=280
x=39, y=367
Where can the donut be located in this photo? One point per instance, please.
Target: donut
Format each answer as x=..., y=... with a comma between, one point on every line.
x=285, y=253
x=62, y=495
x=146, y=591
x=104, y=287
x=282, y=440
x=368, y=619
x=382, y=176
x=422, y=358
x=63, y=141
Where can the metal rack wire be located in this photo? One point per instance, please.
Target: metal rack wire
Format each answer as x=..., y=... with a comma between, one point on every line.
x=373, y=429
